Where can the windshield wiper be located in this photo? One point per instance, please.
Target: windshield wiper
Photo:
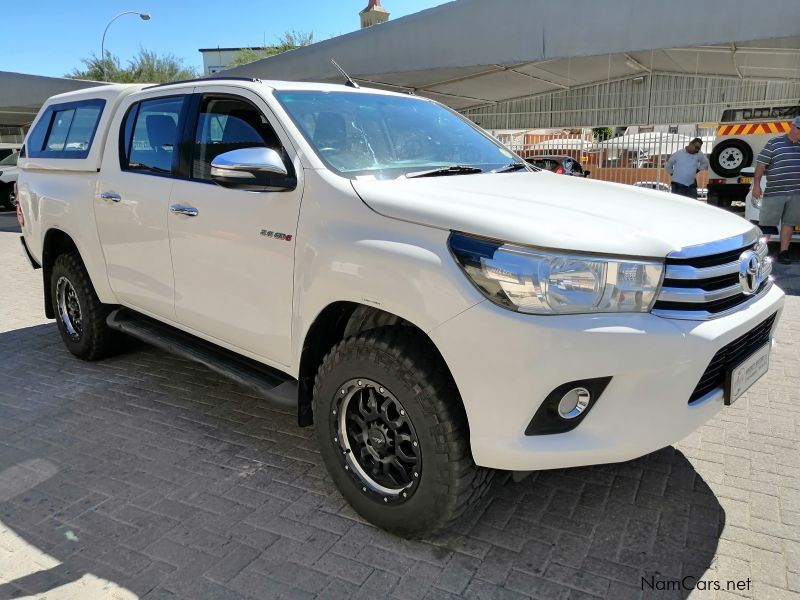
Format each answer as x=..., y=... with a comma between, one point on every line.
x=515, y=166
x=449, y=170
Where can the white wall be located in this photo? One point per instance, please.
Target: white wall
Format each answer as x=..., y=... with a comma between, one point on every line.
x=216, y=60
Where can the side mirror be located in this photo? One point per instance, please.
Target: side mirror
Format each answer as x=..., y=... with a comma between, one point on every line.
x=747, y=172
x=253, y=169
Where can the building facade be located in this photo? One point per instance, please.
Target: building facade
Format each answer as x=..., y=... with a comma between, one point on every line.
x=217, y=59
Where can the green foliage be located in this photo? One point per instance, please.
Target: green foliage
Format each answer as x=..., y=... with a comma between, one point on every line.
x=289, y=41
x=146, y=67
x=601, y=134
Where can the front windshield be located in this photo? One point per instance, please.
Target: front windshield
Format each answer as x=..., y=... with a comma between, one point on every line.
x=375, y=135
x=10, y=160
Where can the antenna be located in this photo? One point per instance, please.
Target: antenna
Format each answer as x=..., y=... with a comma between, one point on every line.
x=349, y=81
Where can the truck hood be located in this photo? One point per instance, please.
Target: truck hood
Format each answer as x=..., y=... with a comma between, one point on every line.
x=554, y=211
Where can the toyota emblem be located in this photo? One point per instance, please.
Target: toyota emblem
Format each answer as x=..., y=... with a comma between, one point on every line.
x=749, y=272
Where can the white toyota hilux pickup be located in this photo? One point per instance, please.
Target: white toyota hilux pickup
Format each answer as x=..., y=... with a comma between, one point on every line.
x=436, y=308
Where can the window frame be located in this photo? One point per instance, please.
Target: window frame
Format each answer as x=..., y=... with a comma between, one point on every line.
x=47, y=120
x=128, y=125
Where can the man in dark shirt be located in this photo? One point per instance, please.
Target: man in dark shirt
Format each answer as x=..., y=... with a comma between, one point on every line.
x=779, y=160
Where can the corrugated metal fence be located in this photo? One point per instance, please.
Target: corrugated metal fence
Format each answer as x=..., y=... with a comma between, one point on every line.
x=645, y=100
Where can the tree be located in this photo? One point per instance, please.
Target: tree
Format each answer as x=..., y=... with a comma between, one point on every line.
x=289, y=41
x=146, y=67
x=601, y=134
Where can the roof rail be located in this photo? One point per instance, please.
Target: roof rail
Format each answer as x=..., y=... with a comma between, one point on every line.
x=198, y=79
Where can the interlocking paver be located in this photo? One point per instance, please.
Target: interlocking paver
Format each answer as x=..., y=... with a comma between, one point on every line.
x=161, y=478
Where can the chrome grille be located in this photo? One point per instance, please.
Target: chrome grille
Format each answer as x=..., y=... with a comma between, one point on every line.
x=703, y=282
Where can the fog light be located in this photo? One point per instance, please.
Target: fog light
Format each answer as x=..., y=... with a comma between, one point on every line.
x=566, y=406
x=574, y=402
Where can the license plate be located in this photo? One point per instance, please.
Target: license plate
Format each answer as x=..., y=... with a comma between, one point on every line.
x=797, y=227
x=745, y=180
x=739, y=379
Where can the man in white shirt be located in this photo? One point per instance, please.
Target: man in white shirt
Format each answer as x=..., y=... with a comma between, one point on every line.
x=683, y=167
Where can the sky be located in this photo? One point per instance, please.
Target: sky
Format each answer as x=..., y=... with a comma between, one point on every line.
x=50, y=37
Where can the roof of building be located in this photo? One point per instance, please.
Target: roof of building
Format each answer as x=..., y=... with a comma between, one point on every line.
x=21, y=94
x=230, y=49
x=470, y=53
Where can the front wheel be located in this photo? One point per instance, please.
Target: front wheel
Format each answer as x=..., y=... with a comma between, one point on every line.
x=80, y=316
x=393, y=432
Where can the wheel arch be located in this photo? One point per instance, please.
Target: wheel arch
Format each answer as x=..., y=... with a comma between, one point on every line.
x=56, y=242
x=334, y=323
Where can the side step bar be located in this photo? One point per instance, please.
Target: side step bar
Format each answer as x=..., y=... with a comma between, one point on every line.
x=279, y=389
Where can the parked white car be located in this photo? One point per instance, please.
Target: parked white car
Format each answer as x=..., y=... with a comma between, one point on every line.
x=8, y=177
x=383, y=267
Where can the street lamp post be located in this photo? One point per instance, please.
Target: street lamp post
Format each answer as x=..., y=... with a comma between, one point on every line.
x=142, y=16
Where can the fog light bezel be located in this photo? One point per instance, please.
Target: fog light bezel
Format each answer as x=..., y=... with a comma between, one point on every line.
x=548, y=419
x=581, y=404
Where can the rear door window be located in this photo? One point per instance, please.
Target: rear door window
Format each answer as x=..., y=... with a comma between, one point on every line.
x=150, y=135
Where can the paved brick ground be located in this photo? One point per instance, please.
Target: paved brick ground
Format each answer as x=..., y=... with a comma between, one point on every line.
x=148, y=476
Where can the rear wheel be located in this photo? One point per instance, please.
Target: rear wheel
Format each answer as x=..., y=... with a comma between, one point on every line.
x=80, y=316
x=393, y=432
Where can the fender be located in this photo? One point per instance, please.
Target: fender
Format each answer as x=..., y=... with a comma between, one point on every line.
x=348, y=252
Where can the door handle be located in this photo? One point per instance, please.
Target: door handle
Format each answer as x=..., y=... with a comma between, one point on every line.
x=178, y=209
x=109, y=196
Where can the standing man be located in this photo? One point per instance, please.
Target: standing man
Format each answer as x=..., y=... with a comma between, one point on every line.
x=779, y=160
x=683, y=167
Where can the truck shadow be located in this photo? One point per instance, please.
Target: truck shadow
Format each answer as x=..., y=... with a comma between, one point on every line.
x=157, y=475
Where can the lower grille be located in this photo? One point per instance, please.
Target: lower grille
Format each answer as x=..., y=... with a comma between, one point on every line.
x=730, y=355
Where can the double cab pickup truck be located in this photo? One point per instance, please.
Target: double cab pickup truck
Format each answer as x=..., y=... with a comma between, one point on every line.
x=434, y=307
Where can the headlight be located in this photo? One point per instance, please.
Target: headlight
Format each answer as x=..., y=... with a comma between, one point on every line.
x=548, y=282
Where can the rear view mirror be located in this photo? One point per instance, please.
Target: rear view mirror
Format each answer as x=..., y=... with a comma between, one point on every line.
x=254, y=169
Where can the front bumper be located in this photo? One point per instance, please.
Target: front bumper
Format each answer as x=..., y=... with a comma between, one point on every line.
x=506, y=363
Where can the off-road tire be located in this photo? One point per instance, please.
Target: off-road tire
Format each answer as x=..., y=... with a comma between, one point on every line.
x=95, y=338
x=403, y=360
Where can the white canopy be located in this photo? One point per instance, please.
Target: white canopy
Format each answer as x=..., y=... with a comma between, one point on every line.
x=474, y=52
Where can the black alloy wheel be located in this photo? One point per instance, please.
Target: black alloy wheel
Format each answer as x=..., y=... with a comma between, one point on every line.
x=377, y=440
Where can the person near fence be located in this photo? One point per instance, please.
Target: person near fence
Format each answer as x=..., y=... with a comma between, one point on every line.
x=683, y=167
x=779, y=160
